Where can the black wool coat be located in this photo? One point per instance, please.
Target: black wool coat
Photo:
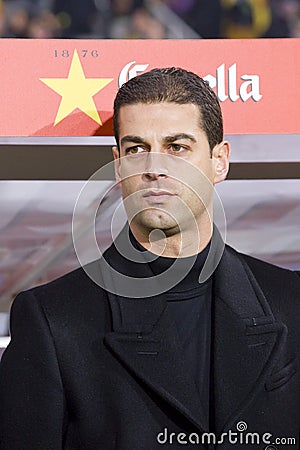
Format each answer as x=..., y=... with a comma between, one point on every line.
x=88, y=370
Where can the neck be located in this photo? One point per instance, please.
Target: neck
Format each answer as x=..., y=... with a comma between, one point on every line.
x=180, y=244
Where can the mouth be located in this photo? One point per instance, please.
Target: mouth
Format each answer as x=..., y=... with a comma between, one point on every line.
x=158, y=196
x=158, y=193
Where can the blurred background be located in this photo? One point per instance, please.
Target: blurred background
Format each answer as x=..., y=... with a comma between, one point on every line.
x=149, y=19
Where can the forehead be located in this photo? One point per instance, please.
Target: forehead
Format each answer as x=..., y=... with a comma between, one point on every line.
x=167, y=116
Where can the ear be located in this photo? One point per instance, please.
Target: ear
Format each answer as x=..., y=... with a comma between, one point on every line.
x=116, y=155
x=220, y=155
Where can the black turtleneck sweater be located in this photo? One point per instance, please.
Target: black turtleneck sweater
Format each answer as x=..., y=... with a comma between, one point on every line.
x=189, y=304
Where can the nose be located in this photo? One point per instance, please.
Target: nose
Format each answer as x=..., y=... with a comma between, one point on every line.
x=155, y=166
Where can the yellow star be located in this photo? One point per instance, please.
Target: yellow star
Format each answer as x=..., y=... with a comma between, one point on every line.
x=76, y=91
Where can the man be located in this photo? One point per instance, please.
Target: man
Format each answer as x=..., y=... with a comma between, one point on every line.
x=164, y=342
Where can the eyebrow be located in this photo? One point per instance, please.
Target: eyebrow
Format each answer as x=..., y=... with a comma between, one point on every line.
x=179, y=137
x=166, y=139
x=130, y=138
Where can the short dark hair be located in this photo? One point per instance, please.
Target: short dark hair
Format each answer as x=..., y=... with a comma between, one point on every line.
x=173, y=85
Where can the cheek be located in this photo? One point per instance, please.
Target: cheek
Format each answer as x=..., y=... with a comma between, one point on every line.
x=198, y=198
x=126, y=191
x=129, y=186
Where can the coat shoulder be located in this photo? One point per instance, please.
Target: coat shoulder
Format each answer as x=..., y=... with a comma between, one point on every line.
x=280, y=285
x=70, y=294
x=270, y=271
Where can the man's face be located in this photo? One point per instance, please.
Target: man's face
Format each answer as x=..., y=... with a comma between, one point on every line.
x=166, y=171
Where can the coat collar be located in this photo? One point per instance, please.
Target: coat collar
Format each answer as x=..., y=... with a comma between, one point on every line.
x=245, y=339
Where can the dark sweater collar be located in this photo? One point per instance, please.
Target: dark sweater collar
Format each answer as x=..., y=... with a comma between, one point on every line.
x=159, y=264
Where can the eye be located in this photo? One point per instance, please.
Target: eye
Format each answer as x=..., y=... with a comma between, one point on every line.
x=177, y=148
x=134, y=150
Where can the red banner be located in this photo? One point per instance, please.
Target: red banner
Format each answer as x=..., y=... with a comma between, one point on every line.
x=66, y=87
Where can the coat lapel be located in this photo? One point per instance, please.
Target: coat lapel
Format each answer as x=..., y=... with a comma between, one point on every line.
x=154, y=355
x=145, y=340
x=246, y=340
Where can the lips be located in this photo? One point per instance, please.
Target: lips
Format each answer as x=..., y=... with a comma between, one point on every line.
x=155, y=197
x=157, y=193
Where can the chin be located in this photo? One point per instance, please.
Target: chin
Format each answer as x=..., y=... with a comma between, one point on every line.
x=156, y=219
